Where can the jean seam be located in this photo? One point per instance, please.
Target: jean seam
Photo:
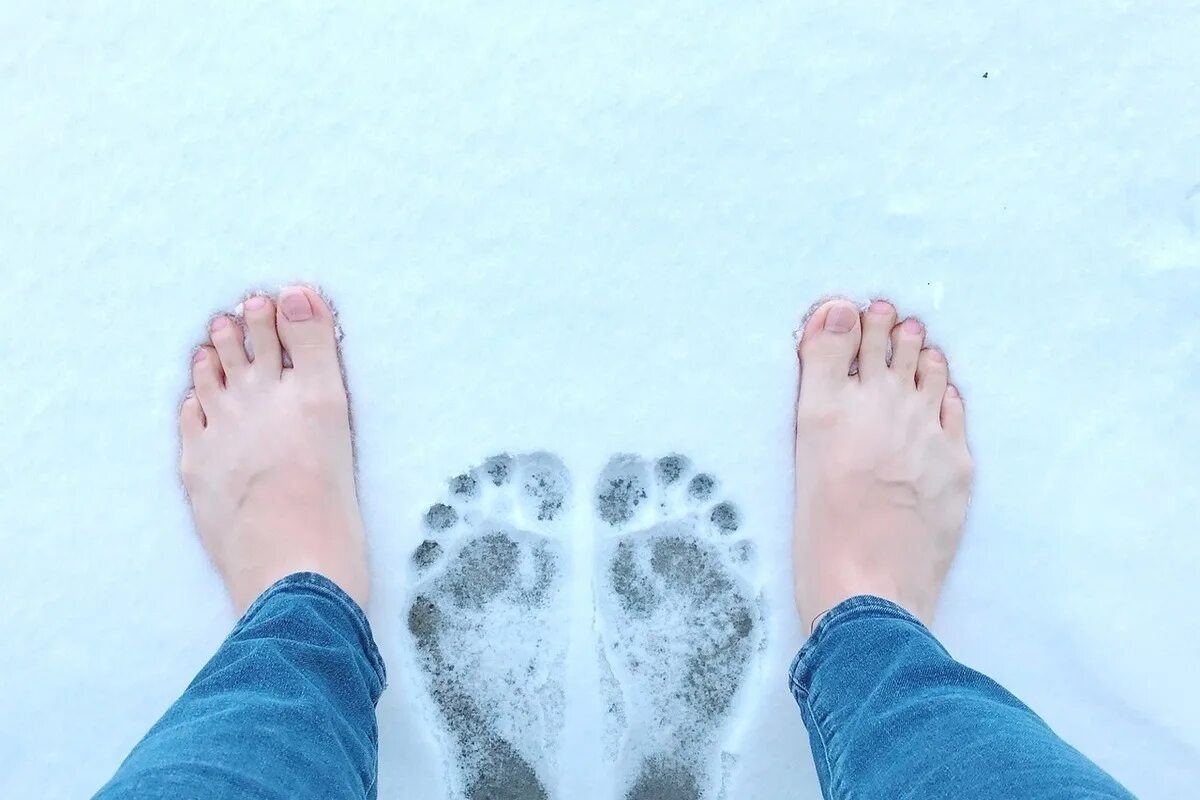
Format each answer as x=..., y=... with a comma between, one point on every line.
x=824, y=745
x=860, y=605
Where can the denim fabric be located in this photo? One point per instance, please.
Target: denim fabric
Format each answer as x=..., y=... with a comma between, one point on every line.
x=285, y=709
x=891, y=715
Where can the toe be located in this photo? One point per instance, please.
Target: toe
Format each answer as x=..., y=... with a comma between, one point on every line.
x=259, y=313
x=207, y=378
x=305, y=326
x=226, y=337
x=829, y=344
x=954, y=416
x=933, y=374
x=191, y=417
x=907, y=339
x=877, y=321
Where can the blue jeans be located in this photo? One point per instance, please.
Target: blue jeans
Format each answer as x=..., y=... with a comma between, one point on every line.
x=891, y=715
x=286, y=709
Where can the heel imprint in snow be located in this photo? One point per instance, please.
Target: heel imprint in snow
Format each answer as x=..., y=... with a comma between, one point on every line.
x=680, y=621
x=489, y=627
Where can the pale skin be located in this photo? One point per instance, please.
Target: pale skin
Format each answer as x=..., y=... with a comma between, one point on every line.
x=266, y=457
x=883, y=474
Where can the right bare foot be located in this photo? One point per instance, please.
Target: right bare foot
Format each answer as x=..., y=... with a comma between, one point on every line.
x=266, y=458
x=883, y=474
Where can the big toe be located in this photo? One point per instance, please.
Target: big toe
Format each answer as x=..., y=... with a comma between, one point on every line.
x=829, y=344
x=306, y=329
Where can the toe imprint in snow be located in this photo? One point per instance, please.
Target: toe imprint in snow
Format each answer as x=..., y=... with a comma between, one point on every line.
x=489, y=634
x=680, y=620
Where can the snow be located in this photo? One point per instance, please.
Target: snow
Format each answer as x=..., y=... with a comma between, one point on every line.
x=591, y=230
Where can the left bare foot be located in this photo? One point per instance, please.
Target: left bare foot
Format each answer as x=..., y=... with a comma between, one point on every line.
x=266, y=458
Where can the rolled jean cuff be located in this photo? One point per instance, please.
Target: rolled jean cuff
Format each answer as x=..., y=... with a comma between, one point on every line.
x=312, y=584
x=861, y=607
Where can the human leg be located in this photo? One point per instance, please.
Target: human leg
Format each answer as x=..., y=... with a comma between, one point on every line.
x=286, y=707
x=883, y=480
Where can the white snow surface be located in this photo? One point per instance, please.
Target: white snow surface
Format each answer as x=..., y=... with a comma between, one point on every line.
x=591, y=229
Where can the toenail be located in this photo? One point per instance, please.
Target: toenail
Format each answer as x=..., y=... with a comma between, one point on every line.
x=840, y=319
x=219, y=323
x=912, y=326
x=952, y=391
x=937, y=355
x=295, y=306
x=199, y=356
x=254, y=303
x=881, y=307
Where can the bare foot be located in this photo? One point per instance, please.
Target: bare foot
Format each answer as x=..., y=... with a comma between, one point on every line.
x=883, y=474
x=266, y=459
